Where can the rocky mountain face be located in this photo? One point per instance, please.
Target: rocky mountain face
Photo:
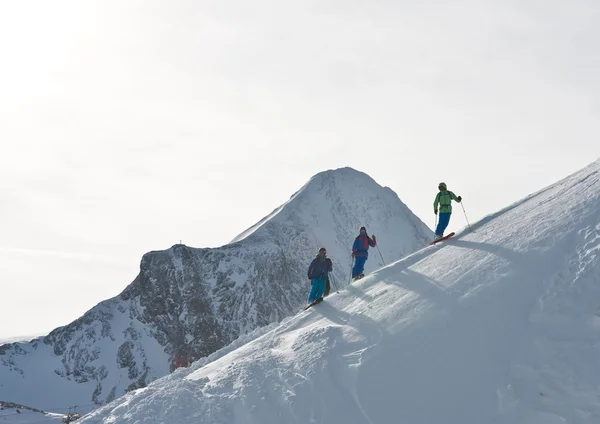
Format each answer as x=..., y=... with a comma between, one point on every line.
x=187, y=302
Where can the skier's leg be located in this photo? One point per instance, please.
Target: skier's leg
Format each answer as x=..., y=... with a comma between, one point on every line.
x=443, y=224
x=313, y=291
x=357, y=268
x=327, y=288
x=360, y=265
x=320, y=288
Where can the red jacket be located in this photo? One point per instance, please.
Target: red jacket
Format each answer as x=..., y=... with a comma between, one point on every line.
x=360, y=248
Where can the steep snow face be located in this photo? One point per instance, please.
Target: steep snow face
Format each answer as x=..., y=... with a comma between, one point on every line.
x=498, y=325
x=187, y=303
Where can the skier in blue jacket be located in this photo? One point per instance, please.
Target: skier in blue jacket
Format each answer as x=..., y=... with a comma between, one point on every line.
x=360, y=252
x=318, y=272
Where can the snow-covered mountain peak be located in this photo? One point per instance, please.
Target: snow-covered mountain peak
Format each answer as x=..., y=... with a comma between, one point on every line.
x=332, y=206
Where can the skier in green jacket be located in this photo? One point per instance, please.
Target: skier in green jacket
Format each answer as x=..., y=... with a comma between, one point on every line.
x=444, y=200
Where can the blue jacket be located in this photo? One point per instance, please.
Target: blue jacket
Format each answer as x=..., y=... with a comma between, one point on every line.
x=360, y=248
x=319, y=268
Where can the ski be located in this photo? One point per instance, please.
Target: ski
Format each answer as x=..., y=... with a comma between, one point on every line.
x=358, y=277
x=441, y=239
x=316, y=302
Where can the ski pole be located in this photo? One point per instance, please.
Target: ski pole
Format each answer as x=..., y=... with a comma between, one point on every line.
x=380, y=255
x=334, y=284
x=351, y=266
x=435, y=227
x=463, y=208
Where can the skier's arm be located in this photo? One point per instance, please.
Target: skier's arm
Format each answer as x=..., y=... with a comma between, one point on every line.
x=436, y=202
x=372, y=241
x=355, y=246
x=457, y=199
x=329, y=265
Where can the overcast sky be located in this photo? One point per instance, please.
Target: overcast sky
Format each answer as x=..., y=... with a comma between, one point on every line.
x=126, y=126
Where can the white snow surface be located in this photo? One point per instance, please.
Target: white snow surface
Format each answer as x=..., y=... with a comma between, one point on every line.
x=498, y=325
x=17, y=414
x=29, y=417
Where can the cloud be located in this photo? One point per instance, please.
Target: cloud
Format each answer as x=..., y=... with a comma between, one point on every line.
x=25, y=338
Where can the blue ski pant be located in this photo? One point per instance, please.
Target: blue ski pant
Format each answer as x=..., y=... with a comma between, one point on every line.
x=318, y=288
x=359, y=265
x=443, y=223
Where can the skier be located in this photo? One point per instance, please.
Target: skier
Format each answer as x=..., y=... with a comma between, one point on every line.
x=444, y=199
x=360, y=252
x=318, y=273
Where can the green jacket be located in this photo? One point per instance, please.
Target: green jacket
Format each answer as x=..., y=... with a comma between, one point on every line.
x=444, y=199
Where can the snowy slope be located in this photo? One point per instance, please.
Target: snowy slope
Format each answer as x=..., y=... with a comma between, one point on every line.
x=501, y=325
x=189, y=302
x=82, y=364
x=20, y=414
